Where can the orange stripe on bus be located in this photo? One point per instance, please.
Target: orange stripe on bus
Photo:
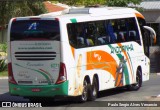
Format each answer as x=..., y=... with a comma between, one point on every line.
x=73, y=50
x=101, y=60
x=119, y=82
x=139, y=15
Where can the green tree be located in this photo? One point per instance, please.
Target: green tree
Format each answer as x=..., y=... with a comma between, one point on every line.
x=122, y=3
x=3, y=65
x=16, y=8
x=83, y=2
x=3, y=47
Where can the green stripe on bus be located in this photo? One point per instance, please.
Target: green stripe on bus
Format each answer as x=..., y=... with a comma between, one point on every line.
x=45, y=90
x=109, y=45
x=131, y=62
x=126, y=73
x=73, y=20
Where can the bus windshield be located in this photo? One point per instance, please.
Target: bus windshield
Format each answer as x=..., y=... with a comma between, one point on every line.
x=35, y=29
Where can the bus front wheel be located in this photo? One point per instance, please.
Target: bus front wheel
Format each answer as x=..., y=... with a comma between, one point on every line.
x=138, y=84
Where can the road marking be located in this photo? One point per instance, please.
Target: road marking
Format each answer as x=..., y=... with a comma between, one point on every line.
x=158, y=73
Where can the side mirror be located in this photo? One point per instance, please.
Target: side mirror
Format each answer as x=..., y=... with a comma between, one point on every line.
x=152, y=33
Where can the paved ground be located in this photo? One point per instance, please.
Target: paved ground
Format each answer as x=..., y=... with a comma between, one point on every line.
x=148, y=92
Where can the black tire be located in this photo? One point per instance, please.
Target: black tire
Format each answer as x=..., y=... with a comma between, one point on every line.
x=93, y=90
x=137, y=86
x=84, y=96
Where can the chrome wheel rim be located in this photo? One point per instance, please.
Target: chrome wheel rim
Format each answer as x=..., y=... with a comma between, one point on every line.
x=85, y=92
x=94, y=91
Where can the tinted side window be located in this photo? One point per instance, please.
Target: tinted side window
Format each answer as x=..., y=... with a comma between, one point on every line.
x=133, y=31
x=124, y=30
x=77, y=34
x=103, y=32
x=103, y=37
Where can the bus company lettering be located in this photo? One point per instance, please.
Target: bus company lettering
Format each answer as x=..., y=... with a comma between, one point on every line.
x=30, y=64
x=119, y=49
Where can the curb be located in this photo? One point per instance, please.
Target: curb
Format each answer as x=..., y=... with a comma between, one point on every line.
x=156, y=96
x=3, y=77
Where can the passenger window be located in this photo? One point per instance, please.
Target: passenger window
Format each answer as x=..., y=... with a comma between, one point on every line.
x=121, y=30
x=71, y=35
x=133, y=30
x=91, y=33
x=87, y=34
x=102, y=35
x=125, y=30
x=111, y=30
x=78, y=36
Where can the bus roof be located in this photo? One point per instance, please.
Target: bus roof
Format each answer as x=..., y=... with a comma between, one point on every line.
x=86, y=12
x=90, y=12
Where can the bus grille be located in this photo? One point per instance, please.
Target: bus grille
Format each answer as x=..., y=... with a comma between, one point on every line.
x=35, y=56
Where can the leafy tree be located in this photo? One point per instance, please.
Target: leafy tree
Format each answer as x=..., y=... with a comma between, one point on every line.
x=122, y=3
x=3, y=65
x=100, y=2
x=15, y=8
x=3, y=47
x=83, y=2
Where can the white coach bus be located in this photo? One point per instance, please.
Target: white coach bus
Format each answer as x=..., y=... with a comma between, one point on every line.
x=78, y=53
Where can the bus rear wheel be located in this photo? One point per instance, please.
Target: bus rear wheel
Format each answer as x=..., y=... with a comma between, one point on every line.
x=84, y=96
x=93, y=90
x=138, y=84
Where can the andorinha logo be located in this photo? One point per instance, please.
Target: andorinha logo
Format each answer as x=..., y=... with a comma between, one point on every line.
x=33, y=26
x=119, y=49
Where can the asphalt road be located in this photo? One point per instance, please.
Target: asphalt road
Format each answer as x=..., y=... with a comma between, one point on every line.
x=148, y=92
